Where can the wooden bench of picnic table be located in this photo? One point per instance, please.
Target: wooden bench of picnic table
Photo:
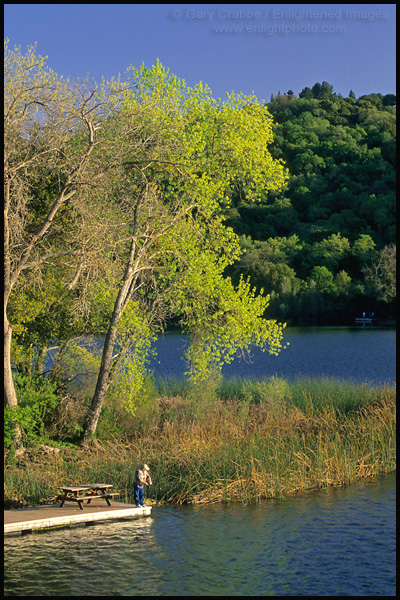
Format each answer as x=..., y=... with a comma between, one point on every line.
x=90, y=491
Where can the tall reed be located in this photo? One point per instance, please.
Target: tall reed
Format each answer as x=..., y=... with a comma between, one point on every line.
x=248, y=441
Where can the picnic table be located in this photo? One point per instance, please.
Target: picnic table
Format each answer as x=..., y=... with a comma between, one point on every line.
x=80, y=493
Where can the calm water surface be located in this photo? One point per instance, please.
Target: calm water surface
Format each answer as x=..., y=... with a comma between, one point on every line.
x=334, y=542
x=361, y=354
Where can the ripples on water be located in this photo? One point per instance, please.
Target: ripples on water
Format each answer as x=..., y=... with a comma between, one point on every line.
x=334, y=542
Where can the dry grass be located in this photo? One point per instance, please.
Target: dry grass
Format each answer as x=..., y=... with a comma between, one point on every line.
x=237, y=450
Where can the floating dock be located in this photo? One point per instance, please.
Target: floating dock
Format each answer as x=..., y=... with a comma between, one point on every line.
x=40, y=518
x=365, y=321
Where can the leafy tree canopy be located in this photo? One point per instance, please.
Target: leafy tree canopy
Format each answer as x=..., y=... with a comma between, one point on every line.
x=340, y=196
x=127, y=184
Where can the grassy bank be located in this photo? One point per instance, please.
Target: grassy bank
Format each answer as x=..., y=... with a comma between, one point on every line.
x=241, y=440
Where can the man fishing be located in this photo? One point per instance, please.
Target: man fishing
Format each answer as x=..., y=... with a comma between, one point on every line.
x=142, y=478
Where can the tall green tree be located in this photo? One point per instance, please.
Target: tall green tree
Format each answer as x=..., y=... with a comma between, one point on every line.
x=139, y=174
x=198, y=153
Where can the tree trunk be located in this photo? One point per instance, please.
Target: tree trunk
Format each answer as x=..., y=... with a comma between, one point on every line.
x=40, y=360
x=103, y=380
x=10, y=397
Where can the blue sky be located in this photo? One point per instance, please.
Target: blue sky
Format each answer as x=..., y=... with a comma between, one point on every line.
x=260, y=48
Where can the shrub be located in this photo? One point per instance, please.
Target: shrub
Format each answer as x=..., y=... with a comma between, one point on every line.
x=37, y=398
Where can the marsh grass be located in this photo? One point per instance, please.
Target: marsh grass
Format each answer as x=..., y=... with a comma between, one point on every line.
x=237, y=440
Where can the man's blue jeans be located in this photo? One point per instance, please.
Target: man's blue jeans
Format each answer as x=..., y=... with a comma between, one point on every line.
x=139, y=494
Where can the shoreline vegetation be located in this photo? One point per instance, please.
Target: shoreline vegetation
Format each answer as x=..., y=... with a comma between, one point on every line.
x=230, y=440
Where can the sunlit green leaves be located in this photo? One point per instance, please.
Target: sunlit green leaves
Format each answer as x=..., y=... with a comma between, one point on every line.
x=140, y=173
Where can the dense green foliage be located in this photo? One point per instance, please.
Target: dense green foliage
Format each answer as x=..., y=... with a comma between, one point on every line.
x=37, y=400
x=310, y=244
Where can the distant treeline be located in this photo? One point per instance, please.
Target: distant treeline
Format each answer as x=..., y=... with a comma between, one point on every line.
x=324, y=247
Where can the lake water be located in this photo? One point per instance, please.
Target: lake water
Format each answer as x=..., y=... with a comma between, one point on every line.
x=333, y=542
x=360, y=354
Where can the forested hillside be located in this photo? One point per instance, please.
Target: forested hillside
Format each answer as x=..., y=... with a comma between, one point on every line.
x=324, y=247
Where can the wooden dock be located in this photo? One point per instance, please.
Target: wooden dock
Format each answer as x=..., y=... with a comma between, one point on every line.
x=40, y=518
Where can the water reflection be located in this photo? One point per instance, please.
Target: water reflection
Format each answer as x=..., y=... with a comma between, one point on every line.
x=339, y=541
